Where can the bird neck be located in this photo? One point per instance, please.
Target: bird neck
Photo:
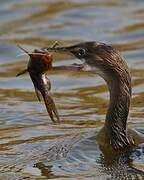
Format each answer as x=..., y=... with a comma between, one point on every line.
x=116, y=117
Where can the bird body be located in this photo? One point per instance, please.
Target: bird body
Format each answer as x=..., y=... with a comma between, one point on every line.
x=106, y=61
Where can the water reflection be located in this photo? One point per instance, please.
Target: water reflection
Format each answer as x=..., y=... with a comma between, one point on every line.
x=28, y=139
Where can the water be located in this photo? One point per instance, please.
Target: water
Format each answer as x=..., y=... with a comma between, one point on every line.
x=31, y=146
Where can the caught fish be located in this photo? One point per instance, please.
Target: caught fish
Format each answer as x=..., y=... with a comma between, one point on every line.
x=38, y=64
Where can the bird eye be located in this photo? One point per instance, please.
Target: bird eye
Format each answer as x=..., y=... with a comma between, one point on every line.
x=81, y=52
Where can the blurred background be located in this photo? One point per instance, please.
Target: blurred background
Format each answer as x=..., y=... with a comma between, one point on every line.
x=26, y=131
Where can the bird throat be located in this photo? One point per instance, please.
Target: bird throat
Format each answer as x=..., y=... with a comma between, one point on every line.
x=119, y=85
x=117, y=114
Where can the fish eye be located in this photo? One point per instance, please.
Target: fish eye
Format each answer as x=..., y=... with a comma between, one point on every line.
x=81, y=52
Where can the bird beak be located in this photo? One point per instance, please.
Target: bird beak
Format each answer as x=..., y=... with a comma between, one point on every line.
x=70, y=50
x=65, y=50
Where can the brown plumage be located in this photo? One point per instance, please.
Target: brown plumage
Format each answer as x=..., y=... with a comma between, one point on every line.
x=108, y=63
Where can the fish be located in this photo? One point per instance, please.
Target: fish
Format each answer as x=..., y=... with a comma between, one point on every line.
x=40, y=62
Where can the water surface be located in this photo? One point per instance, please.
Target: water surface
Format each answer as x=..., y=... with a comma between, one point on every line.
x=31, y=146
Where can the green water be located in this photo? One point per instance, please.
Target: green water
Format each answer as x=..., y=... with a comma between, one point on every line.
x=30, y=144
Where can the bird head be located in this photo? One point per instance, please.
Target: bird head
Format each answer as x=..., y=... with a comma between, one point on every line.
x=99, y=57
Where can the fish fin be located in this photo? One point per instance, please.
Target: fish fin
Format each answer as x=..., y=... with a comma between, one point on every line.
x=51, y=108
x=22, y=49
x=56, y=113
x=21, y=72
x=38, y=94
